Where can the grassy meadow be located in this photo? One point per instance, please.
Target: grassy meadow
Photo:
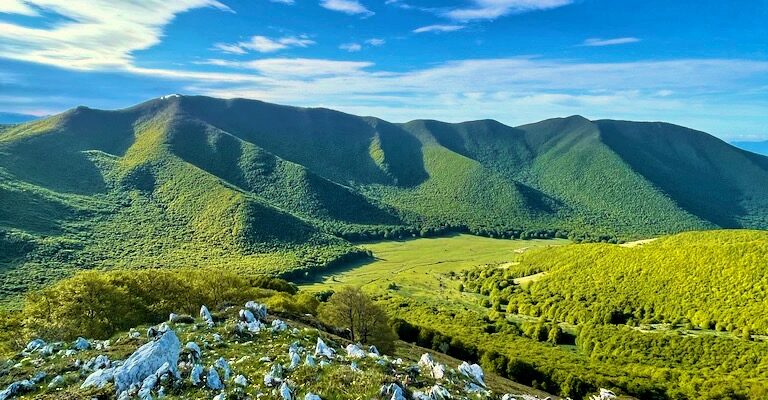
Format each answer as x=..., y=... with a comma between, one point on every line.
x=419, y=267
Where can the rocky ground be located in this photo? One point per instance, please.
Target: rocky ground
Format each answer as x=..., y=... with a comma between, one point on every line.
x=246, y=355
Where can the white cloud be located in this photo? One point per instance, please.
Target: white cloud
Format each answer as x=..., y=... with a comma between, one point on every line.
x=94, y=34
x=438, y=28
x=351, y=47
x=288, y=2
x=513, y=90
x=352, y=7
x=376, y=42
x=16, y=7
x=597, y=42
x=263, y=44
x=492, y=9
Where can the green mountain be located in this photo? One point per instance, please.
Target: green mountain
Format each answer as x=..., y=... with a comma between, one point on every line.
x=258, y=187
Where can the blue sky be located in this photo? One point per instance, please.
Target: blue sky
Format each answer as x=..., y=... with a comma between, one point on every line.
x=702, y=64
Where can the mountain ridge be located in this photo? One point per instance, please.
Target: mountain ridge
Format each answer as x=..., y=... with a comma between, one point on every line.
x=259, y=187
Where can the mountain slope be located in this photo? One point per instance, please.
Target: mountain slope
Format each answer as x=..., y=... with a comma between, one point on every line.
x=190, y=180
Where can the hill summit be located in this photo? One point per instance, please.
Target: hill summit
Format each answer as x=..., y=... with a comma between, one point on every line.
x=248, y=185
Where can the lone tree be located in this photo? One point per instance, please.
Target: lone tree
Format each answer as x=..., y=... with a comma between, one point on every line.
x=351, y=309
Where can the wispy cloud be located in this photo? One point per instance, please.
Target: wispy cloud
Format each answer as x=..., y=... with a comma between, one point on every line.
x=288, y=2
x=17, y=7
x=492, y=9
x=598, y=42
x=263, y=44
x=351, y=7
x=351, y=47
x=376, y=42
x=92, y=35
x=438, y=28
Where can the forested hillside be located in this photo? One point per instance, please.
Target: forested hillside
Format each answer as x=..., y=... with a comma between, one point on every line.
x=258, y=187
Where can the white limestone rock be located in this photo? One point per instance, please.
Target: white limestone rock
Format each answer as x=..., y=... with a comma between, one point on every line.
x=206, y=316
x=196, y=374
x=322, y=350
x=354, y=351
x=432, y=368
x=439, y=393
x=99, y=378
x=223, y=365
x=285, y=392
x=474, y=372
x=241, y=381
x=81, y=344
x=212, y=380
x=311, y=396
x=259, y=310
x=148, y=359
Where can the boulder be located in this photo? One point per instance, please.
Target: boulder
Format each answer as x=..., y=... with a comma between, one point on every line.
x=212, y=380
x=247, y=316
x=604, y=394
x=354, y=351
x=20, y=387
x=372, y=350
x=310, y=361
x=99, y=378
x=311, y=396
x=259, y=310
x=206, y=316
x=279, y=326
x=322, y=350
x=473, y=372
x=392, y=391
x=98, y=362
x=194, y=350
x=274, y=376
x=241, y=381
x=434, y=369
x=196, y=375
x=148, y=359
x=34, y=345
x=285, y=392
x=56, y=382
x=223, y=365
x=295, y=357
x=81, y=344
x=439, y=393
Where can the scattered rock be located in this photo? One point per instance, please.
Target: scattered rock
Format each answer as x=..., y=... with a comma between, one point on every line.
x=322, y=350
x=279, y=326
x=34, y=345
x=473, y=372
x=196, y=375
x=285, y=392
x=274, y=376
x=373, y=350
x=310, y=361
x=194, y=351
x=206, y=316
x=98, y=362
x=247, y=316
x=212, y=380
x=23, y=386
x=354, y=351
x=56, y=382
x=604, y=394
x=392, y=391
x=99, y=378
x=148, y=359
x=223, y=365
x=241, y=381
x=432, y=368
x=81, y=344
x=312, y=396
x=258, y=310
x=439, y=393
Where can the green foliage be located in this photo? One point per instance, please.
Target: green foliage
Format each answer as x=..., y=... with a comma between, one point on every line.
x=97, y=304
x=711, y=279
x=364, y=321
